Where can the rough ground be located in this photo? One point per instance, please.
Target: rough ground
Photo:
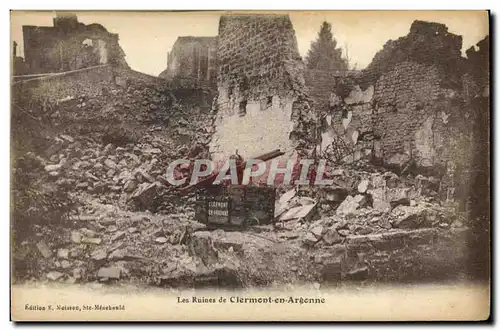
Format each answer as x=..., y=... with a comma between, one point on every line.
x=128, y=225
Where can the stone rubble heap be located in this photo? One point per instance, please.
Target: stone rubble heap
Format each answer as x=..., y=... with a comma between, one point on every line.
x=140, y=109
x=109, y=244
x=118, y=146
x=362, y=203
x=132, y=174
x=117, y=172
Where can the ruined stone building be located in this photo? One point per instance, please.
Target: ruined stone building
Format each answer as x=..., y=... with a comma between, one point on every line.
x=408, y=108
x=260, y=86
x=192, y=59
x=419, y=106
x=69, y=45
x=409, y=103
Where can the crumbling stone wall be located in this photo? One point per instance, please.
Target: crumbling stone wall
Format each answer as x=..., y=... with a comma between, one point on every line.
x=418, y=99
x=261, y=101
x=427, y=43
x=408, y=104
x=70, y=45
x=319, y=84
x=407, y=101
x=192, y=59
x=88, y=81
x=477, y=98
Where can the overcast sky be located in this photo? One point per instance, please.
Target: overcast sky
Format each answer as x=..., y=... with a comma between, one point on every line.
x=147, y=37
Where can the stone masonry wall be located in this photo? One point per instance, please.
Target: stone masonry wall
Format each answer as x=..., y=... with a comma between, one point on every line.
x=405, y=100
x=406, y=107
x=427, y=43
x=319, y=83
x=88, y=81
x=410, y=116
x=192, y=59
x=260, y=86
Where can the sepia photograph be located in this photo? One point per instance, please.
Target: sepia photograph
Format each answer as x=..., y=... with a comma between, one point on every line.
x=250, y=165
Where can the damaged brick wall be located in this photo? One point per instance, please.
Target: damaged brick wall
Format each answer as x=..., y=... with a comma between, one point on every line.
x=261, y=100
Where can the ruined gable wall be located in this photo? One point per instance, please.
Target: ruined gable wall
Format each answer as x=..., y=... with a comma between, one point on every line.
x=260, y=86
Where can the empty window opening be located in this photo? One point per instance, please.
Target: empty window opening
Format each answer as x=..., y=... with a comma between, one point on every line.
x=269, y=102
x=243, y=108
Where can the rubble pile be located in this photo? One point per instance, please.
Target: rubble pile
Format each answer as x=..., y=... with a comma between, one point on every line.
x=118, y=146
x=139, y=109
x=111, y=245
x=132, y=175
x=112, y=149
x=362, y=203
x=308, y=242
x=132, y=225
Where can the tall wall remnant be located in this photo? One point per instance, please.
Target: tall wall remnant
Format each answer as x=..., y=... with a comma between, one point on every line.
x=408, y=104
x=261, y=101
x=427, y=43
x=419, y=106
x=69, y=45
x=192, y=59
x=18, y=64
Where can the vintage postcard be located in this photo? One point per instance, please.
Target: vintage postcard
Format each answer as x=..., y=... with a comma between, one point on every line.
x=250, y=166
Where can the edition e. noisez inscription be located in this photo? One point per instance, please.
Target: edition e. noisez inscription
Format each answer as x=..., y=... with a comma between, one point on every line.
x=95, y=307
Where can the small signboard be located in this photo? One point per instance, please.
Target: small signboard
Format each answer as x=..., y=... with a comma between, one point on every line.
x=235, y=205
x=218, y=211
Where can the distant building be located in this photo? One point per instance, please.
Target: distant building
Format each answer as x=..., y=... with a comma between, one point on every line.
x=192, y=59
x=18, y=65
x=69, y=45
